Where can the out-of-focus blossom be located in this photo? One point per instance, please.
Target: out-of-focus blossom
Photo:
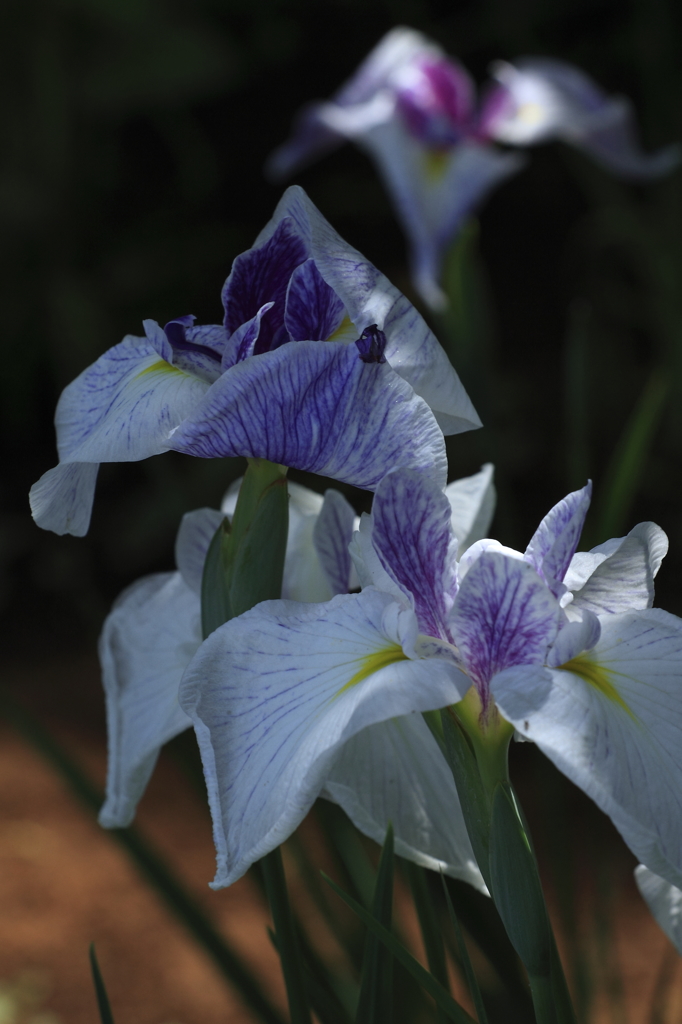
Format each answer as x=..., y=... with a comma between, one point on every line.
x=320, y=364
x=414, y=110
x=280, y=695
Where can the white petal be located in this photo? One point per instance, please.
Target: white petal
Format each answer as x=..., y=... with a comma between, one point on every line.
x=472, y=500
x=61, y=500
x=275, y=693
x=147, y=642
x=617, y=732
x=394, y=772
x=618, y=576
x=196, y=532
x=664, y=901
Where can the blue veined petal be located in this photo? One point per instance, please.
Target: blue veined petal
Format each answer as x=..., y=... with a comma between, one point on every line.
x=261, y=275
x=411, y=349
x=332, y=534
x=542, y=99
x=472, y=503
x=62, y=499
x=312, y=137
x=197, y=529
x=394, y=772
x=148, y=639
x=553, y=544
x=275, y=693
x=313, y=309
x=242, y=343
x=504, y=616
x=316, y=406
x=611, y=720
x=196, y=350
x=412, y=535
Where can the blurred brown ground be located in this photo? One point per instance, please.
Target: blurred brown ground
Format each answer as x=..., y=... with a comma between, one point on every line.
x=65, y=883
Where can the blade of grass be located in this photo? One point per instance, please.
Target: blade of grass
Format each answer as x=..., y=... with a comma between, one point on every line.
x=432, y=935
x=375, y=1002
x=442, y=998
x=103, y=1005
x=323, y=998
x=472, y=981
x=149, y=862
x=287, y=938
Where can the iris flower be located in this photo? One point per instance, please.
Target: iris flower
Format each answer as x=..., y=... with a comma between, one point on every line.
x=413, y=109
x=280, y=379
x=566, y=648
x=154, y=629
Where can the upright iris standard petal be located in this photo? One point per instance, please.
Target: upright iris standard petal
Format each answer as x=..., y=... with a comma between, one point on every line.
x=394, y=772
x=617, y=576
x=148, y=639
x=275, y=694
x=664, y=901
x=611, y=720
x=553, y=544
x=472, y=503
x=540, y=99
x=504, y=616
x=370, y=299
x=314, y=312
x=316, y=407
x=412, y=535
x=121, y=409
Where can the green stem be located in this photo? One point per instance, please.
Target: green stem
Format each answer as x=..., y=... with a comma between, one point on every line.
x=285, y=933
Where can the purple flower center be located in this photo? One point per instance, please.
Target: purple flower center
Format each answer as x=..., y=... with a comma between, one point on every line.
x=371, y=345
x=436, y=102
x=175, y=331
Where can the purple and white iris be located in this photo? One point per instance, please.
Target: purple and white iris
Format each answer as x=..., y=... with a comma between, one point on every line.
x=567, y=648
x=393, y=773
x=280, y=379
x=414, y=110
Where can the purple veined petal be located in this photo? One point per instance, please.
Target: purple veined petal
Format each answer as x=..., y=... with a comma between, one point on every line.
x=275, y=693
x=546, y=99
x=434, y=191
x=612, y=722
x=242, y=343
x=311, y=137
x=618, y=576
x=148, y=639
x=411, y=348
x=316, y=406
x=156, y=336
x=332, y=535
x=369, y=567
x=412, y=535
x=664, y=901
x=504, y=616
x=62, y=499
x=435, y=99
x=195, y=350
x=313, y=310
x=261, y=275
x=197, y=529
x=553, y=544
x=120, y=409
x=394, y=772
x=472, y=503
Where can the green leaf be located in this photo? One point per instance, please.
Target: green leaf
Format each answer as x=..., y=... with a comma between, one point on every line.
x=286, y=937
x=432, y=934
x=105, y=1014
x=515, y=884
x=215, y=598
x=472, y=981
x=442, y=998
x=375, y=1002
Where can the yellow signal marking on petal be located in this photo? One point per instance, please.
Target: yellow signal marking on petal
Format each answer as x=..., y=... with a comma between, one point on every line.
x=161, y=367
x=373, y=662
x=346, y=331
x=436, y=162
x=598, y=677
x=530, y=114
